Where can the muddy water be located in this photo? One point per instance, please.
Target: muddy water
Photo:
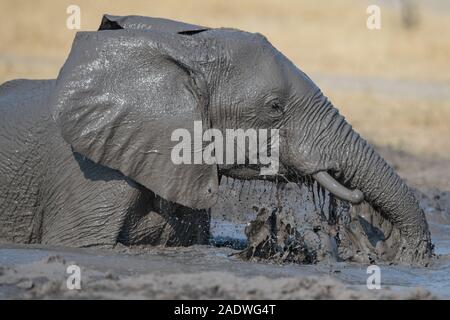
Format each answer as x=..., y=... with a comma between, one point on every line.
x=203, y=272
x=217, y=272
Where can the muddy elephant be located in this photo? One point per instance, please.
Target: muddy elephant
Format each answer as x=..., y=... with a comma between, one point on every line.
x=85, y=159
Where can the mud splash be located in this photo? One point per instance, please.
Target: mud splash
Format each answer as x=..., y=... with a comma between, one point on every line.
x=300, y=223
x=273, y=236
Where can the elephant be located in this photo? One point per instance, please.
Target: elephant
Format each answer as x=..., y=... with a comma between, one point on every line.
x=85, y=159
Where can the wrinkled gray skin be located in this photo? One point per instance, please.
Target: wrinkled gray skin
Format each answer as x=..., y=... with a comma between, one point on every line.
x=85, y=159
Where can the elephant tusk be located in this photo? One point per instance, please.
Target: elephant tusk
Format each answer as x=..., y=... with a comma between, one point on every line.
x=329, y=183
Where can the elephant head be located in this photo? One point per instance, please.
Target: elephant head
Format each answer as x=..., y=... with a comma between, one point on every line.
x=124, y=89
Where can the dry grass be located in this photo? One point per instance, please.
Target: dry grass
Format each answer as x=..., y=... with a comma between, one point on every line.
x=328, y=37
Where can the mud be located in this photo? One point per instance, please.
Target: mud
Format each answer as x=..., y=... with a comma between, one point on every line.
x=219, y=270
x=301, y=223
x=198, y=272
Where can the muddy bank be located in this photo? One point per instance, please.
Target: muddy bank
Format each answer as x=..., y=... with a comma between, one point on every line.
x=199, y=272
x=424, y=173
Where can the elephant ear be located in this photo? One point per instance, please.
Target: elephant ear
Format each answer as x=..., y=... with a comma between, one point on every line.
x=118, y=99
x=110, y=22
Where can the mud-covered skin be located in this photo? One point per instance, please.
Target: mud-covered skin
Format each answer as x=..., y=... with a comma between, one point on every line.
x=124, y=90
x=23, y=128
x=51, y=195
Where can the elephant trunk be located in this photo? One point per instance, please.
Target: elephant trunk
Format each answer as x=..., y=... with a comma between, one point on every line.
x=360, y=167
x=328, y=146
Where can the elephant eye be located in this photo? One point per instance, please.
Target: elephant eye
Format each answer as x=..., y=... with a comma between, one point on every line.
x=276, y=107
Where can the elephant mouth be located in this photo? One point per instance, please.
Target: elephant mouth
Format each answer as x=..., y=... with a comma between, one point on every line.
x=322, y=177
x=337, y=189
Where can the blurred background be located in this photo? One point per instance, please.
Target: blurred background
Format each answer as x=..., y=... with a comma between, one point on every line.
x=392, y=84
